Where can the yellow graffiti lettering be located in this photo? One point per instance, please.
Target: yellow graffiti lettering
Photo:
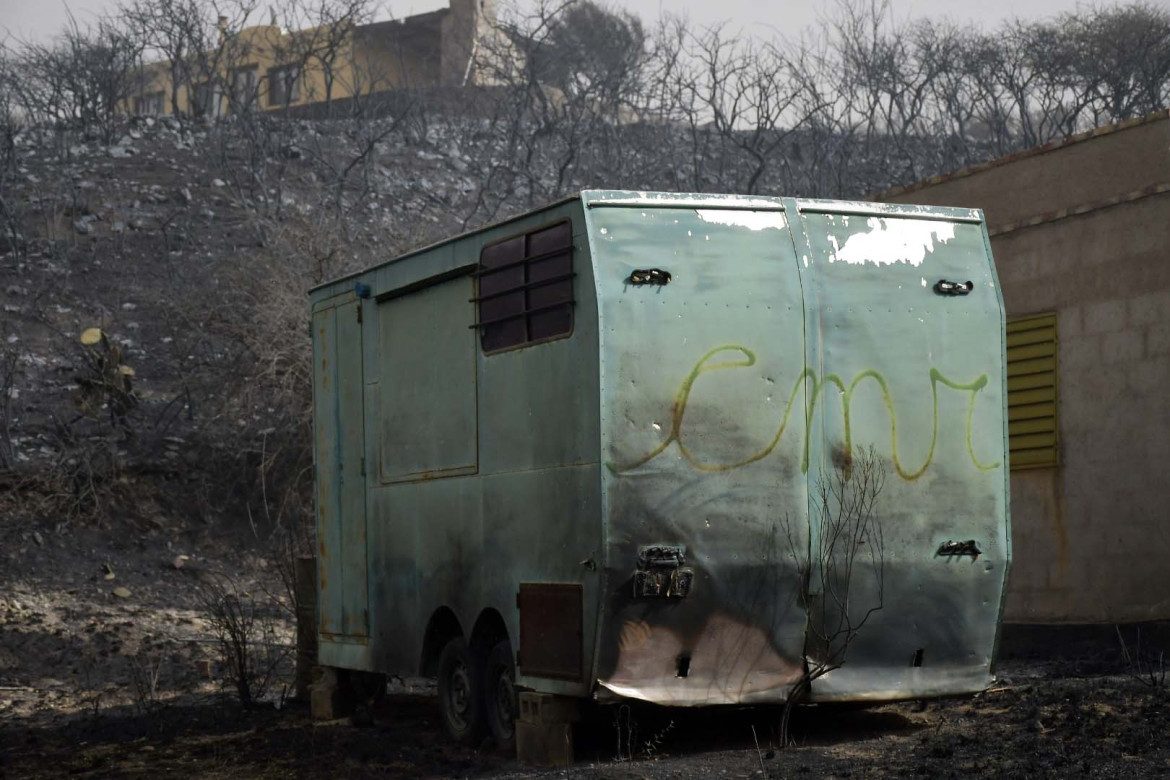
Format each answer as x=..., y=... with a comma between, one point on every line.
x=808, y=379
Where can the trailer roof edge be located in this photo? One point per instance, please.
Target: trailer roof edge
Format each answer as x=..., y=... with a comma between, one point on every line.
x=443, y=242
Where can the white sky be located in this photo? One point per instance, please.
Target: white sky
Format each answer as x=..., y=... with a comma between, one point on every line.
x=37, y=19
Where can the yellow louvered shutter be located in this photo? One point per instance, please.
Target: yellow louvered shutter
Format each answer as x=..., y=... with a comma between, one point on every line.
x=1031, y=384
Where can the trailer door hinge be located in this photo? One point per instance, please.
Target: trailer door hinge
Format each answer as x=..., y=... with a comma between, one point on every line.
x=359, y=312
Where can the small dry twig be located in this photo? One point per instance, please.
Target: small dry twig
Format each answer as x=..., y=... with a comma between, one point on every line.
x=1147, y=667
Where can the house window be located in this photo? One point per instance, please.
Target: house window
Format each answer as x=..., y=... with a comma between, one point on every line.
x=1031, y=384
x=150, y=104
x=200, y=99
x=526, y=288
x=244, y=84
x=206, y=100
x=284, y=85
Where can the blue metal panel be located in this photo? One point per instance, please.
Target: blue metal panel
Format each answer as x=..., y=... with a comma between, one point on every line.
x=426, y=370
x=444, y=533
x=918, y=376
x=539, y=402
x=702, y=432
x=695, y=414
x=875, y=357
x=352, y=469
x=326, y=439
x=545, y=524
x=339, y=422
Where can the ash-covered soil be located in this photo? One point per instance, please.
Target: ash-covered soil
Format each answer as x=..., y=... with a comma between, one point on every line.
x=1037, y=726
x=167, y=243
x=113, y=532
x=74, y=657
x=95, y=623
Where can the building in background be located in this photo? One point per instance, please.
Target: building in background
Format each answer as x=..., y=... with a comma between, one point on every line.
x=267, y=68
x=1080, y=230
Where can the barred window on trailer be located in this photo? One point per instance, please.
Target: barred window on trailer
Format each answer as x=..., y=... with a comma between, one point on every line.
x=526, y=288
x=1032, y=399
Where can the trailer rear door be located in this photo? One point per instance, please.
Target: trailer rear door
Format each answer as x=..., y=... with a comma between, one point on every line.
x=905, y=332
x=702, y=408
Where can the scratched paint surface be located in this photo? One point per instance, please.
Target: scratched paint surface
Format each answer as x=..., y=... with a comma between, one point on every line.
x=326, y=456
x=341, y=488
x=875, y=311
x=727, y=393
x=672, y=402
x=519, y=500
x=816, y=391
x=698, y=414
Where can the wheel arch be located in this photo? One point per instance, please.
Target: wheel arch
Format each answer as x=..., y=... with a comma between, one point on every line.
x=442, y=627
x=489, y=630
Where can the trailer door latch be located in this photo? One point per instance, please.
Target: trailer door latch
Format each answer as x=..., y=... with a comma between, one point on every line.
x=944, y=287
x=648, y=276
x=660, y=572
x=959, y=549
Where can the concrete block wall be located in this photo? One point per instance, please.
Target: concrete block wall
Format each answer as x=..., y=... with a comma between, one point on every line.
x=1038, y=181
x=1091, y=537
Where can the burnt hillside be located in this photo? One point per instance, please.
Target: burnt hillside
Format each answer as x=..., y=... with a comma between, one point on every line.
x=195, y=272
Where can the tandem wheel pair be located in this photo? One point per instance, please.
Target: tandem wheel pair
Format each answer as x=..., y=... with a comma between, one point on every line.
x=477, y=693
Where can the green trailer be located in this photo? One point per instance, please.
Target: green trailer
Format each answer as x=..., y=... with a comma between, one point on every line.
x=583, y=452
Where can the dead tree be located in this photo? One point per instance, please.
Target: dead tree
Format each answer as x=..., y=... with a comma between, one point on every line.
x=82, y=79
x=565, y=80
x=8, y=364
x=11, y=120
x=1146, y=665
x=251, y=653
x=333, y=23
x=217, y=49
x=1118, y=58
x=172, y=30
x=842, y=569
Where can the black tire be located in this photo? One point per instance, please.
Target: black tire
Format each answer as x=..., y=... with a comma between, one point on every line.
x=499, y=696
x=461, y=693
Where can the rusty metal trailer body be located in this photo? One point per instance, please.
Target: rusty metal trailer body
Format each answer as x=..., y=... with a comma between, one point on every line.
x=597, y=431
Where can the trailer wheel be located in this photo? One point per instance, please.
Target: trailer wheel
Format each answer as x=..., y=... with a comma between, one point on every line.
x=460, y=693
x=500, y=695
